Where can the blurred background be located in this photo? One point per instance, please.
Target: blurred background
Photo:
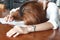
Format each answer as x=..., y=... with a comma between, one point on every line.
x=16, y=3
x=7, y=5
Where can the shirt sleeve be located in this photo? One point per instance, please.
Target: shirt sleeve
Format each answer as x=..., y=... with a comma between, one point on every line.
x=14, y=10
x=52, y=12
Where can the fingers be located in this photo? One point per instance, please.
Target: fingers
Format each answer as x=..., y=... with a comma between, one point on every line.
x=16, y=34
x=11, y=32
x=8, y=18
x=16, y=31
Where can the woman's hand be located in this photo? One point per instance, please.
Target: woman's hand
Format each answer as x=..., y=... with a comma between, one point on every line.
x=13, y=13
x=19, y=30
x=16, y=31
x=9, y=18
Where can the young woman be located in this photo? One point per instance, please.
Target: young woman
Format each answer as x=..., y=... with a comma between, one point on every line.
x=34, y=15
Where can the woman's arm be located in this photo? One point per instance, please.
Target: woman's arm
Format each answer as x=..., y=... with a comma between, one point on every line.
x=43, y=26
x=28, y=28
x=52, y=23
x=52, y=15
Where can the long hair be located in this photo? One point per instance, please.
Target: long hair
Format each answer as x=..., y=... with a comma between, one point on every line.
x=32, y=13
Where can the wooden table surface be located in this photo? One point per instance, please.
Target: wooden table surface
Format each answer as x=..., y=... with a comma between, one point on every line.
x=42, y=35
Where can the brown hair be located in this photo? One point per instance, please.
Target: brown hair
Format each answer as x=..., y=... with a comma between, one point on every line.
x=33, y=13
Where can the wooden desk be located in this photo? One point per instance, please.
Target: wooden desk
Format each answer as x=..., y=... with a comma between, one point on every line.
x=45, y=35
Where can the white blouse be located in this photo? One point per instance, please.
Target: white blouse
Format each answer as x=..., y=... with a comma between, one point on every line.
x=52, y=14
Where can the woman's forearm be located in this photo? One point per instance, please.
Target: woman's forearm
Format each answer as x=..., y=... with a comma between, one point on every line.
x=40, y=27
x=44, y=26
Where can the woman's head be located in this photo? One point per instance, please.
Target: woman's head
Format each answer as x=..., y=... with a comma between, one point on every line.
x=33, y=13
